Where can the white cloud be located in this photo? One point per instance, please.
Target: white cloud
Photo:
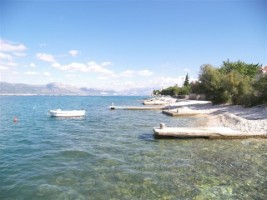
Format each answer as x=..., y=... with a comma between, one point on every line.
x=73, y=53
x=32, y=73
x=2, y=68
x=11, y=64
x=98, y=68
x=32, y=65
x=132, y=84
x=4, y=56
x=89, y=67
x=46, y=74
x=163, y=82
x=19, y=54
x=129, y=84
x=131, y=73
x=10, y=46
x=127, y=73
x=106, y=64
x=76, y=67
x=56, y=65
x=145, y=73
x=7, y=65
x=45, y=57
x=102, y=78
x=70, y=76
x=186, y=70
x=7, y=59
x=71, y=67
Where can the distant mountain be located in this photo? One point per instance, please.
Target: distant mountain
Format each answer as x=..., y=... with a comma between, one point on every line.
x=48, y=89
x=62, y=89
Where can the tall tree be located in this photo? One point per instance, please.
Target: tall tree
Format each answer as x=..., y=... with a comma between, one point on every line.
x=249, y=70
x=186, y=82
x=212, y=84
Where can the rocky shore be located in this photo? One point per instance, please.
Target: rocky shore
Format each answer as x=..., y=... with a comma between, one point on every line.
x=248, y=120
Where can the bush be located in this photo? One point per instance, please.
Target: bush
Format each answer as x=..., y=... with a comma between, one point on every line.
x=196, y=87
x=232, y=83
x=212, y=84
x=172, y=91
x=185, y=90
x=238, y=87
x=261, y=89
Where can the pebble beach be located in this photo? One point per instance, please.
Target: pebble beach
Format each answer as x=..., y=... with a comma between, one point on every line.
x=253, y=120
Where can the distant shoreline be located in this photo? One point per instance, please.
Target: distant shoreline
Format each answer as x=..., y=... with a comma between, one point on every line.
x=46, y=95
x=73, y=95
x=59, y=89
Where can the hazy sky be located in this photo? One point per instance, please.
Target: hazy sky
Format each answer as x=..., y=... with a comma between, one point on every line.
x=126, y=44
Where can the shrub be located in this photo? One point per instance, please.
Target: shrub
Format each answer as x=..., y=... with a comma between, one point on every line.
x=185, y=90
x=261, y=89
x=212, y=84
x=238, y=87
x=172, y=91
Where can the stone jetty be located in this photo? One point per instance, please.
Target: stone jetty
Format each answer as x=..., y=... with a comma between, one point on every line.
x=203, y=132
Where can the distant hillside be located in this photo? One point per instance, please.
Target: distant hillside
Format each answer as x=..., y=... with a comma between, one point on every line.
x=48, y=89
x=62, y=89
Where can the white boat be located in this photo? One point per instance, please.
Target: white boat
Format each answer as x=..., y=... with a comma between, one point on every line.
x=67, y=113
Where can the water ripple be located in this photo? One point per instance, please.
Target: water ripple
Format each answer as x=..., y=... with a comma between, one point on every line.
x=113, y=155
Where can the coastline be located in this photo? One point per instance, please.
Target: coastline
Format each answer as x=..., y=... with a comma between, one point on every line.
x=246, y=120
x=237, y=121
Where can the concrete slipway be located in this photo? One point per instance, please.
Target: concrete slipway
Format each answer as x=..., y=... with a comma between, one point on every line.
x=203, y=132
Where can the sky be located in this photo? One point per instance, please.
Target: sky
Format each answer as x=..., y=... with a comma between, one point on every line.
x=125, y=44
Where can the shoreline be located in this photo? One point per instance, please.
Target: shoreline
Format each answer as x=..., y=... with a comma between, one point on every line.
x=238, y=118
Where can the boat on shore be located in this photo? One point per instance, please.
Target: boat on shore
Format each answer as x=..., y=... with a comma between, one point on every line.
x=67, y=113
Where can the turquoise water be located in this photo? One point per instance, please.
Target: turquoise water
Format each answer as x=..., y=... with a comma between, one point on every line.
x=113, y=155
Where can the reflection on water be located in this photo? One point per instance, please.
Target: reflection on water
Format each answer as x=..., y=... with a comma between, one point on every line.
x=113, y=155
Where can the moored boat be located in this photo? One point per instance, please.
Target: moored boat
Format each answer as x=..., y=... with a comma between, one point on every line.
x=67, y=113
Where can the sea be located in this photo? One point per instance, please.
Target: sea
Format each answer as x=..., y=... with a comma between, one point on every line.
x=112, y=154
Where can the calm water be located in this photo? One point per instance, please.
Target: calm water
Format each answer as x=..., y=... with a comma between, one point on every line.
x=113, y=155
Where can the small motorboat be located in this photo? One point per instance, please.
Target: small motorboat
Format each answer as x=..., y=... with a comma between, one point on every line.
x=67, y=113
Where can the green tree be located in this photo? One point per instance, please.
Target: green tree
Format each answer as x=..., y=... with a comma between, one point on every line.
x=212, y=84
x=185, y=90
x=234, y=82
x=196, y=87
x=172, y=91
x=186, y=82
x=261, y=89
x=250, y=70
x=238, y=87
x=156, y=92
x=239, y=81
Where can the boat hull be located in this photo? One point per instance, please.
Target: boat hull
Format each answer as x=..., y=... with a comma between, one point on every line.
x=67, y=113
